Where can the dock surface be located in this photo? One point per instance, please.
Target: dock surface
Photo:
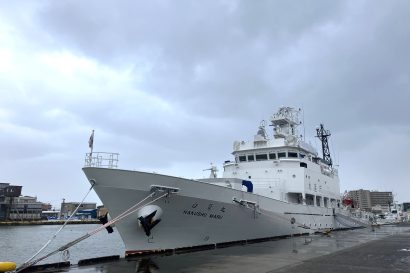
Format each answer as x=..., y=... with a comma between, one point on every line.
x=386, y=249
x=390, y=254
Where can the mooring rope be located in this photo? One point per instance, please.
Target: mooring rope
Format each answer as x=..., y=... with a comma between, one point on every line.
x=62, y=227
x=126, y=213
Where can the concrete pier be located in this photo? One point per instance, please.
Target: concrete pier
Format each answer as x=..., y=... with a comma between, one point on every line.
x=390, y=254
x=386, y=249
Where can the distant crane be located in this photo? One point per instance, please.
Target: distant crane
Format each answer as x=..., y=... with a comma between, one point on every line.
x=323, y=135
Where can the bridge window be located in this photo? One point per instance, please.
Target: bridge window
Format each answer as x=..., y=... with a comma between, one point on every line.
x=251, y=158
x=292, y=154
x=242, y=158
x=282, y=154
x=261, y=157
x=272, y=156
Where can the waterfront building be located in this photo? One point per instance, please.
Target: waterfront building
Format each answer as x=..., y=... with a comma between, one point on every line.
x=87, y=214
x=382, y=198
x=46, y=207
x=67, y=208
x=361, y=199
x=7, y=194
x=25, y=208
x=50, y=214
x=368, y=200
x=15, y=207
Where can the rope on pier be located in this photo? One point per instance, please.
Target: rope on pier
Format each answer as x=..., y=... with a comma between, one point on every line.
x=61, y=228
x=126, y=213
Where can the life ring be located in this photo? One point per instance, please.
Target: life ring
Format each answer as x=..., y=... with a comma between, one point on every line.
x=7, y=266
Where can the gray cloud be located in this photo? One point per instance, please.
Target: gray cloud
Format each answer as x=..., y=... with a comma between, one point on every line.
x=173, y=84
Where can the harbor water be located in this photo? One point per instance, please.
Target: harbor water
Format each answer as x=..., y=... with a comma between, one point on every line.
x=19, y=243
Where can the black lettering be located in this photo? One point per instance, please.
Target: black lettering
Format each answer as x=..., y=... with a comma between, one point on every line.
x=195, y=213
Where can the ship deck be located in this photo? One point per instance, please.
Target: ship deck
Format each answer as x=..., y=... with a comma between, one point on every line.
x=386, y=249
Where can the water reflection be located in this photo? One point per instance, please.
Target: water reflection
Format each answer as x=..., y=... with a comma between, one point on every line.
x=147, y=265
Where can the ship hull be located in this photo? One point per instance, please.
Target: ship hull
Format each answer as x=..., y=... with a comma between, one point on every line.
x=203, y=214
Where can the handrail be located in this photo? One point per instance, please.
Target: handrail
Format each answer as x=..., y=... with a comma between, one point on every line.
x=101, y=160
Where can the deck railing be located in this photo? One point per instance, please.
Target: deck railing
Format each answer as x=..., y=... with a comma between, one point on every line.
x=101, y=160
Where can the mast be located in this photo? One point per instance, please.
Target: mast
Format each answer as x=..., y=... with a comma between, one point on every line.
x=323, y=134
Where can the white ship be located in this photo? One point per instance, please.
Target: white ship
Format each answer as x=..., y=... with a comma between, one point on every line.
x=273, y=187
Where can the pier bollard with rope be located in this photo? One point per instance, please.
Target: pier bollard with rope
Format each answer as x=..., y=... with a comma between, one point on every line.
x=155, y=189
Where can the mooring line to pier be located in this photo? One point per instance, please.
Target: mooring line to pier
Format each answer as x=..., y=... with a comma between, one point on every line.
x=126, y=213
x=61, y=228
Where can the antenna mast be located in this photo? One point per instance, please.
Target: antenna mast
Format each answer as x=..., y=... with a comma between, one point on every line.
x=323, y=135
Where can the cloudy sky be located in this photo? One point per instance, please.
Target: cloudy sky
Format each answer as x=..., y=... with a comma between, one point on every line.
x=171, y=84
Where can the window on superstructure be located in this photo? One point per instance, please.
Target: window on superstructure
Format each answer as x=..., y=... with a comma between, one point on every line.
x=272, y=156
x=281, y=155
x=251, y=158
x=292, y=154
x=242, y=158
x=302, y=155
x=261, y=157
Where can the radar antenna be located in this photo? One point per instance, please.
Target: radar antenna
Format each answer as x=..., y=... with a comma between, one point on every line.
x=213, y=170
x=323, y=135
x=262, y=130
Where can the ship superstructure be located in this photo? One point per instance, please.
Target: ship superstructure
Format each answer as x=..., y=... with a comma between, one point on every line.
x=285, y=167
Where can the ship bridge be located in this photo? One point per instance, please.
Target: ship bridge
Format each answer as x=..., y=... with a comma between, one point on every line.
x=284, y=167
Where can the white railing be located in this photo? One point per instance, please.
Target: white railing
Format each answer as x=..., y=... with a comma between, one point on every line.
x=101, y=160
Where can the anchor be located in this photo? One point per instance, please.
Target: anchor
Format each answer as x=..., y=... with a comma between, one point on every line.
x=149, y=217
x=148, y=223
